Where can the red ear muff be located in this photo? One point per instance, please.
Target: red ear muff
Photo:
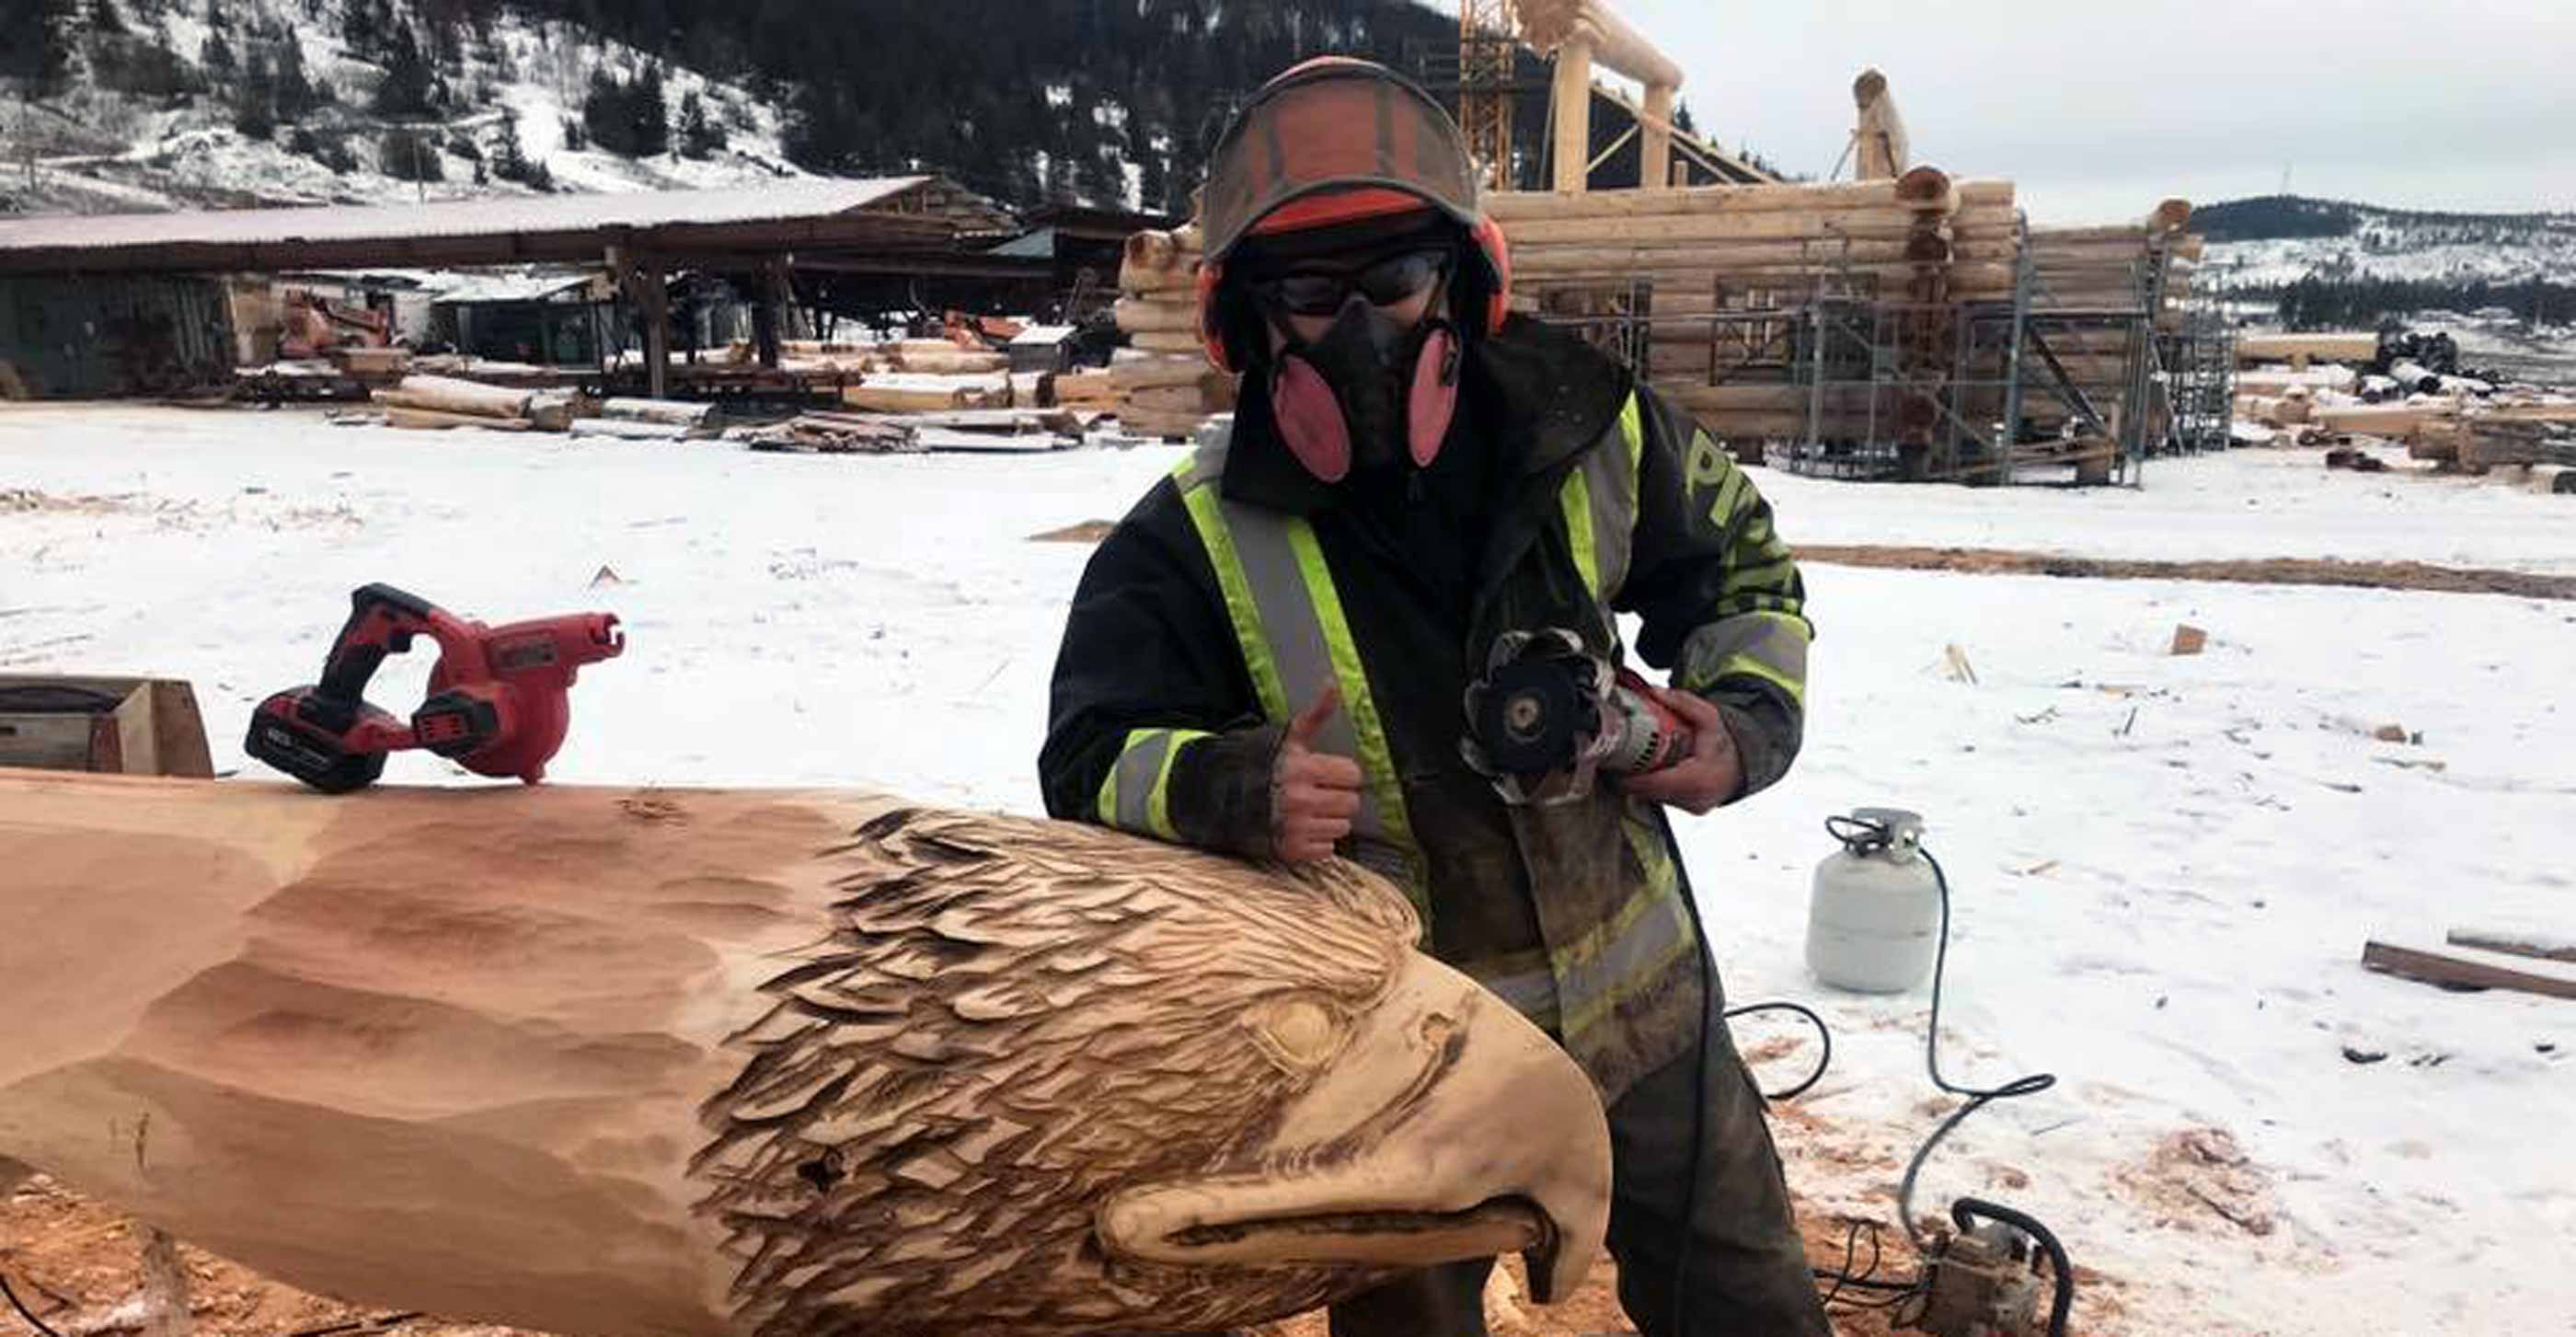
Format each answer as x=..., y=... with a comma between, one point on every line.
x=1309, y=419
x=1498, y=257
x=1211, y=320
x=1433, y=397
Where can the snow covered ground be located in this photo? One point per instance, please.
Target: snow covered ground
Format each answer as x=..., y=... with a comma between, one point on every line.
x=2164, y=867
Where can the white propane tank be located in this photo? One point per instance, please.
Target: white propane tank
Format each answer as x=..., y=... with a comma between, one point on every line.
x=1875, y=918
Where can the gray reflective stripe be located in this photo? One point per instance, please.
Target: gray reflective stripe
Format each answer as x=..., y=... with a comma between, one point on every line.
x=1265, y=547
x=1136, y=795
x=1633, y=946
x=1297, y=638
x=1590, y=990
x=1767, y=645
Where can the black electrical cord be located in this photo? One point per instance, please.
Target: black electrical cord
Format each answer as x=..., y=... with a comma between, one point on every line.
x=23, y=1311
x=1978, y=1097
x=1824, y=1034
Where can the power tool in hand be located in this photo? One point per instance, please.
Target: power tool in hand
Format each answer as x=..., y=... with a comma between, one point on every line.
x=498, y=699
x=1548, y=714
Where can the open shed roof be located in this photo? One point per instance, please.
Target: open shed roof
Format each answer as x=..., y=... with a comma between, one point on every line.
x=883, y=214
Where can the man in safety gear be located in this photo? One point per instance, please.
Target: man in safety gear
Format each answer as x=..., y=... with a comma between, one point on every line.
x=1269, y=654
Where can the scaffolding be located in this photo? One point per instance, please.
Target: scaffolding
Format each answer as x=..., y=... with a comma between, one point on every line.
x=1847, y=377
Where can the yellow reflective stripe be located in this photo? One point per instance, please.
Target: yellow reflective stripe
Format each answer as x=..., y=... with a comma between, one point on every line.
x=1109, y=782
x=1660, y=897
x=1158, y=805
x=1239, y=605
x=1752, y=667
x=1632, y=432
x=1375, y=757
x=1577, y=500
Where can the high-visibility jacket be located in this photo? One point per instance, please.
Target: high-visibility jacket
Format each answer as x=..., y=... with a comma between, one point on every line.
x=1574, y=914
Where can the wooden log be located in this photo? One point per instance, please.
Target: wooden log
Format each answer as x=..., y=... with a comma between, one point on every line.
x=2169, y=216
x=726, y=1063
x=1145, y=373
x=1134, y=316
x=2413, y=378
x=2461, y=972
x=447, y=394
x=1892, y=224
x=1169, y=399
x=956, y=363
x=1519, y=207
x=892, y=399
x=1169, y=341
x=1716, y=254
x=433, y=420
x=2562, y=410
x=1880, y=149
x=630, y=429
x=679, y=412
x=2378, y=419
x=1157, y=249
x=1173, y=426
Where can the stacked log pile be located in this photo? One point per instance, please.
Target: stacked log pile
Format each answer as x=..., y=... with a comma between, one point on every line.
x=1163, y=384
x=1689, y=267
x=444, y=401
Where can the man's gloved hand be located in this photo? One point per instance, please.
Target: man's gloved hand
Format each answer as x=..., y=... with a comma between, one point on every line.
x=1711, y=776
x=1313, y=795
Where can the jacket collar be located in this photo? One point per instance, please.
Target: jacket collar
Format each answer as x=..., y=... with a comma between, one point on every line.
x=1544, y=394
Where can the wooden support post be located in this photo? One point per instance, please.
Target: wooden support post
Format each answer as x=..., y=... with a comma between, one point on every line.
x=1655, y=139
x=1573, y=102
x=654, y=300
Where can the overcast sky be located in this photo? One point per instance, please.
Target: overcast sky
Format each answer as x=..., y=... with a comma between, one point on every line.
x=2099, y=109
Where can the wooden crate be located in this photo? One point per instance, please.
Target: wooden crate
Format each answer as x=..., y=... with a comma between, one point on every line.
x=131, y=726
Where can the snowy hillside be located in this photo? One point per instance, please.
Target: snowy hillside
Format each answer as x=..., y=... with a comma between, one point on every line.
x=2282, y=239
x=163, y=104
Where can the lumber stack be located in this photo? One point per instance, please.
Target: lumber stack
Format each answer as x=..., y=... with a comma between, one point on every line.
x=2120, y=272
x=1162, y=383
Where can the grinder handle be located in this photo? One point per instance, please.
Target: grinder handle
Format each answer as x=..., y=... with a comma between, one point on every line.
x=382, y=621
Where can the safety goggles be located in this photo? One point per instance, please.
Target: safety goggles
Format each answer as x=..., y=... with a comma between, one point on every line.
x=1387, y=282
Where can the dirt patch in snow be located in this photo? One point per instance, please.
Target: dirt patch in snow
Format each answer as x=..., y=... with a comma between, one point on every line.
x=2264, y=571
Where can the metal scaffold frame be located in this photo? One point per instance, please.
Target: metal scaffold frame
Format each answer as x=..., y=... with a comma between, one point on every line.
x=1932, y=390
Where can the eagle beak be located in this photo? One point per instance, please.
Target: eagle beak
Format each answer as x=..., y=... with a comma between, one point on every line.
x=1447, y=1127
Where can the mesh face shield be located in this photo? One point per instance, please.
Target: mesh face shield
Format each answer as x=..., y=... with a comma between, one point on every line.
x=1333, y=140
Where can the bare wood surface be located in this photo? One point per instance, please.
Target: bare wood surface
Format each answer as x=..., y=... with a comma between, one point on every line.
x=2512, y=944
x=2437, y=968
x=722, y=1062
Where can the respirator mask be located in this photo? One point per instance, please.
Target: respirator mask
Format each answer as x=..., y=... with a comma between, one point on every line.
x=1370, y=390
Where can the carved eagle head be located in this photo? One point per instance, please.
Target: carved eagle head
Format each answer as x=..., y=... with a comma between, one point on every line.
x=1044, y=1078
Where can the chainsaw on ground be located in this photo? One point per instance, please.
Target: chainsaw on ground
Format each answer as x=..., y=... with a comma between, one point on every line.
x=498, y=705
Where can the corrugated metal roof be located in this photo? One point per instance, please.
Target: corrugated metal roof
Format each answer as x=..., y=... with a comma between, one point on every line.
x=787, y=199
x=510, y=287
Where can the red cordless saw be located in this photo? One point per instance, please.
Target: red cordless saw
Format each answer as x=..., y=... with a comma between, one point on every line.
x=498, y=699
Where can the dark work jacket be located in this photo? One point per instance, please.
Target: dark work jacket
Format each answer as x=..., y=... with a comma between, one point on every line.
x=1430, y=569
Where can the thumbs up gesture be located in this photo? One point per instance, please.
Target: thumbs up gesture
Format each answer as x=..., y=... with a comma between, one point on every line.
x=1313, y=795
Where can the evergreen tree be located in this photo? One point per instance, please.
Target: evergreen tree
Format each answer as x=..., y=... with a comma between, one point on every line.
x=217, y=56
x=104, y=19
x=254, y=98
x=649, y=114
x=296, y=96
x=700, y=137
x=406, y=90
